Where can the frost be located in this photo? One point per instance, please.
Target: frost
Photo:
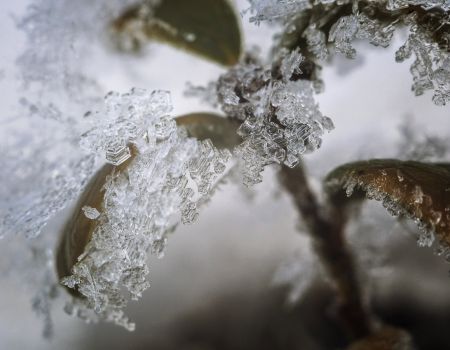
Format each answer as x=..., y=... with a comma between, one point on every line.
x=279, y=118
x=169, y=176
x=316, y=40
x=45, y=169
x=395, y=205
x=375, y=22
x=272, y=10
x=343, y=33
x=90, y=213
x=39, y=190
x=127, y=120
x=59, y=34
x=431, y=68
x=426, y=4
x=359, y=26
x=290, y=65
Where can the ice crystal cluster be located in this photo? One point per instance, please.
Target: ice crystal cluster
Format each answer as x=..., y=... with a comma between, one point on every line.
x=279, y=118
x=47, y=164
x=168, y=176
x=374, y=21
x=272, y=10
x=58, y=34
x=43, y=172
x=44, y=169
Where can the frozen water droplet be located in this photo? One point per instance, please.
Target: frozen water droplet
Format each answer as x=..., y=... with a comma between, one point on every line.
x=426, y=237
x=350, y=185
x=417, y=195
x=90, y=213
x=164, y=127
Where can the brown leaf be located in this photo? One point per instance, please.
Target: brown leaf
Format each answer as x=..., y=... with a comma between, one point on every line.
x=387, y=338
x=420, y=191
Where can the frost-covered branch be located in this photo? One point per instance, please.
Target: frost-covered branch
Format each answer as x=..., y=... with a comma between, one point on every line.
x=319, y=27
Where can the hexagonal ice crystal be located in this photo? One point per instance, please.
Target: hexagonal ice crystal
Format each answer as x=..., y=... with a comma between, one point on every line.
x=117, y=152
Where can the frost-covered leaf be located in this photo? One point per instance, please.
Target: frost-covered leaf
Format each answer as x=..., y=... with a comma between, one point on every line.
x=133, y=203
x=79, y=229
x=204, y=27
x=420, y=191
x=387, y=338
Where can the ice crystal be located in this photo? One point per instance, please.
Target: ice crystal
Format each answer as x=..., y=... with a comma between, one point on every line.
x=426, y=4
x=271, y=10
x=168, y=177
x=128, y=121
x=343, y=33
x=359, y=26
x=34, y=193
x=316, y=40
x=431, y=68
x=59, y=35
x=374, y=21
x=280, y=119
x=41, y=179
x=90, y=213
x=392, y=203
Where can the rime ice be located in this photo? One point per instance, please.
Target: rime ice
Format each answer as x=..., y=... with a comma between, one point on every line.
x=165, y=181
x=280, y=119
x=374, y=21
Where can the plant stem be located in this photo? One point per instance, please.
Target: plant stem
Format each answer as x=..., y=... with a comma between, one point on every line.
x=326, y=226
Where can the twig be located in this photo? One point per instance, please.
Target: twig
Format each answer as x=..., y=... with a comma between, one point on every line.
x=326, y=227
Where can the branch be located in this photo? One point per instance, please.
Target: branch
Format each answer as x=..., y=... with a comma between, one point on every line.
x=326, y=227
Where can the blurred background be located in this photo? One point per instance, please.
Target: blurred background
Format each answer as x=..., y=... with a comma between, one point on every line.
x=214, y=287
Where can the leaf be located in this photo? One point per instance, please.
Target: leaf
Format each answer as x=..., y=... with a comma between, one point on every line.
x=208, y=28
x=420, y=191
x=79, y=229
x=387, y=338
x=220, y=130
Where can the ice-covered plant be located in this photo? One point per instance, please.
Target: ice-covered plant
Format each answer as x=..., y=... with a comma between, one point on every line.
x=137, y=171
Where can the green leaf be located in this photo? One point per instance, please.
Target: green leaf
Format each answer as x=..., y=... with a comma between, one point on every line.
x=208, y=28
x=420, y=191
x=220, y=130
